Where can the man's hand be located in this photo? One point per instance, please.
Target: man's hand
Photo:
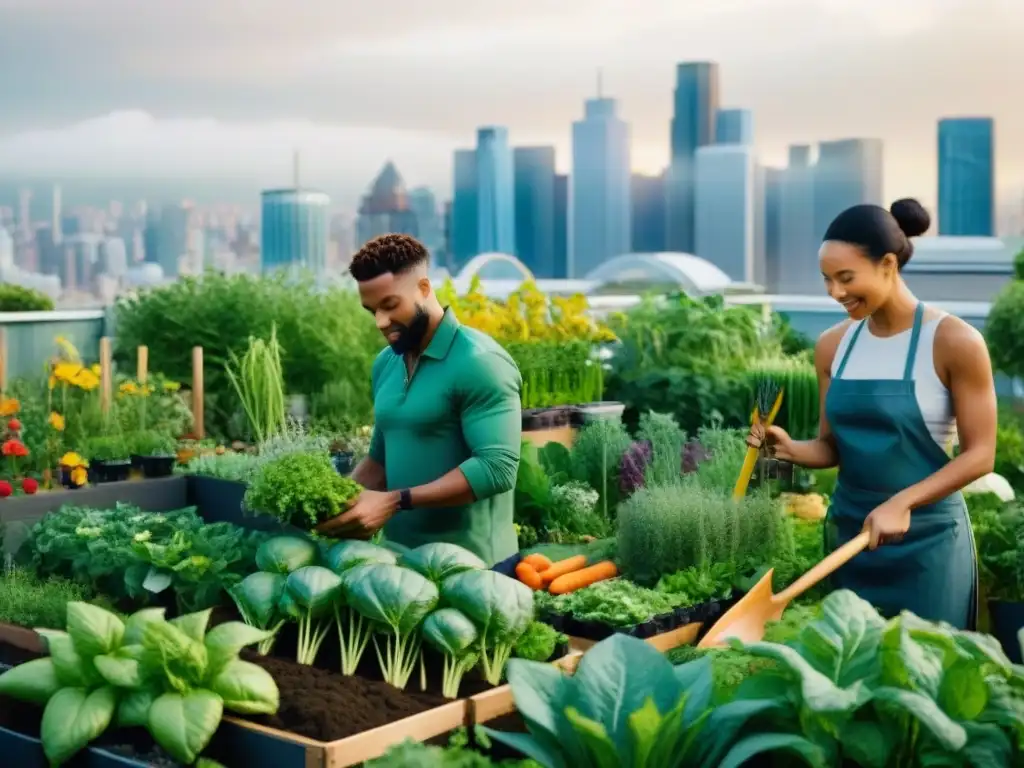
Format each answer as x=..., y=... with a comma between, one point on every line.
x=365, y=516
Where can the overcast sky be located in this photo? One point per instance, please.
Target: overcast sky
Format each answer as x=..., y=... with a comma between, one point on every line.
x=223, y=87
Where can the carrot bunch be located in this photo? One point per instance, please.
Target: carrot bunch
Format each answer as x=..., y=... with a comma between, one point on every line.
x=559, y=578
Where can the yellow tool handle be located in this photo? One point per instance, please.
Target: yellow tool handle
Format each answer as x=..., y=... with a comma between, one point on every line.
x=825, y=568
x=751, y=457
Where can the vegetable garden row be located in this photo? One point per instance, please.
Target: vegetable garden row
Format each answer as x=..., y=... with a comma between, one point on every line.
x=194, y=619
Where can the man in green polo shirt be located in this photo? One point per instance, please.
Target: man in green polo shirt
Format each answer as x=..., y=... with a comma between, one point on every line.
x=445, y=449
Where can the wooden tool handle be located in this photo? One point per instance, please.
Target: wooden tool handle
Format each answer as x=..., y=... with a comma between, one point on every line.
x=825, y=568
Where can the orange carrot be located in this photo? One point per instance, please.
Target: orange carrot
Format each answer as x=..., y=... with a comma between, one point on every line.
x=584, y=577
x=538, y=561
x=563, y=567
x=529, y=576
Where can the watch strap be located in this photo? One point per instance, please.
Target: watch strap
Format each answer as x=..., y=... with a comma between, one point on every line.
x=405, y=499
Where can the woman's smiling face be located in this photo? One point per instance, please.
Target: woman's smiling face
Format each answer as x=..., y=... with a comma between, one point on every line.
x=860, y=284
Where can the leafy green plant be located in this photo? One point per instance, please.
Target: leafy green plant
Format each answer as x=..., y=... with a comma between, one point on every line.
x=903, y=693
x=562, y=372
x=149, y=442
x=396, y=600
x=455, y=636
x=18, y=298
x=258, y=381
x=700, y=584
x=999, y=539
x=107, y=448
x=539, y=642
x=627, y=706
x=174, y=678
x=285, y=554
x=310, y=598
x=439, y=560
x=226, y=466
x=354, y=631
x=502, y=609
x=596, y=457
x=300, y=489
x=28, y=601
x=617, y=603
x=257, y=597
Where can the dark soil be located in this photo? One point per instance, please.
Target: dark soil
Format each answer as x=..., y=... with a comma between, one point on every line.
x=510, y=723
x=327, y=706
x=136, y=744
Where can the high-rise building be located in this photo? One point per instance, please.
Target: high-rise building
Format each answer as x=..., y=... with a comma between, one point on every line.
x=772, y=179
x=798, y=245
x=734, y=126
x=561, y=226
x=967, y=176
x=599, y=200
x=294, y=229
x=695, y=107
x=726, y=181
x=648, y=200
x=428, y=219
x=462, y=228
x=848, y=173
x=483, y=206
x=535, y=209
x=166, y=237
x=385, y=209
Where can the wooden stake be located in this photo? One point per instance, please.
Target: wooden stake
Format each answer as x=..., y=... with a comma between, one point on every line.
x=197, y=393
x=142, y=367
x=4, y=368
x=106, y=375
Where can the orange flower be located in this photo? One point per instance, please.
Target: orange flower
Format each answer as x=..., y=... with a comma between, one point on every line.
x=9, y=406
x=79, y=475
x=56, y=421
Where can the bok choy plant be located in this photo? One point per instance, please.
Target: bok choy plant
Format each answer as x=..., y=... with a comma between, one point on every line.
x=310, y=598
x=257, y=597
x=347, y=558
x=396, y=600
x=285, y=554
x=439, y=560
x=455, y=636
x=172, y=677
x=500, y=606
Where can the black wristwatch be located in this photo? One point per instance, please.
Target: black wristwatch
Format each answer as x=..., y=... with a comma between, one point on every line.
x=405, y=499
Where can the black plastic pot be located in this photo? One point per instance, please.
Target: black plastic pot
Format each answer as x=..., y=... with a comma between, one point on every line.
x=1006, y=619
x=64, y=478
x=343, y=461
x=155, y=466
x=535, y=419
x=109, y=471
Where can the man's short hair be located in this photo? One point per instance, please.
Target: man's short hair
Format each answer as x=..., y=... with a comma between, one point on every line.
x=387, y=253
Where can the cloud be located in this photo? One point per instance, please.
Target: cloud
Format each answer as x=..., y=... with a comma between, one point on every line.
x=237, y=83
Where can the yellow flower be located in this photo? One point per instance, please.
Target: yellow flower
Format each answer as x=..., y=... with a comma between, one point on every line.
x=9, y=406
x=128, y=388
x=67, y=349
x=56, y=421
x=66, y=372
x=79, y=475
x=86, y=379
x=95, y=368
x=52, y=382
x=72, y=460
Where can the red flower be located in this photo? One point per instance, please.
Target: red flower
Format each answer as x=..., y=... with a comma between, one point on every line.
x=5, y=489
x=14, y=447
x=14, y=425
x=29, y=485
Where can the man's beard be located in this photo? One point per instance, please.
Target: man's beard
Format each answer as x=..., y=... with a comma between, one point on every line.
x=410, y=336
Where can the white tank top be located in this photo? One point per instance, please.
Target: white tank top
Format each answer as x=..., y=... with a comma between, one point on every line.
x=874, y=357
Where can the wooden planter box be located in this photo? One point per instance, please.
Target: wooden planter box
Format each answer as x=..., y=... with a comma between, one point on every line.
x=666, y=641
x=19, y=513
x=255, y=746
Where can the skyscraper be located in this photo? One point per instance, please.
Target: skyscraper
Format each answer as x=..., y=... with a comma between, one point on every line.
x=428, y=219
x=724, y=214
x=734, y=126
x=535, y=209
x=848, y=172
x=294, y=229
x=695, y=107
x=772, y=179
x=798, y=247
x=648, y=199
x=386, y=209
x=599, y=200
x=561, y=226
x=967, y=176
x=483, y=204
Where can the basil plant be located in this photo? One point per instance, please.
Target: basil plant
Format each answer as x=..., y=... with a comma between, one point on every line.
x=174, y=678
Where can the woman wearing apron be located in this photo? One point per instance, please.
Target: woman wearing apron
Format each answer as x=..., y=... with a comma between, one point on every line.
x=895, y=380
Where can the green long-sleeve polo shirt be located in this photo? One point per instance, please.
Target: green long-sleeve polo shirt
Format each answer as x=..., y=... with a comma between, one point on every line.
x=461, y=408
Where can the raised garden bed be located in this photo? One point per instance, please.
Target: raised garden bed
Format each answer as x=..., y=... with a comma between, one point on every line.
x=220, y=501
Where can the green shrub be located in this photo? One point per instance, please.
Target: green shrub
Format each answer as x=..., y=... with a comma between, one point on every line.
x=1010, y=450
x=17, y=298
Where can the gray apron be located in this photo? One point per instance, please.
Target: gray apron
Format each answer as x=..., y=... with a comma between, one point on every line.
x=884, y=447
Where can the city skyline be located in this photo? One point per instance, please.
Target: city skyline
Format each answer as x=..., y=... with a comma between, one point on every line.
x=809, y=71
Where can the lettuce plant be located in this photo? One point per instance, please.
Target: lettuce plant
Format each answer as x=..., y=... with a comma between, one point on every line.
x=396, y=600
x=455, y=636
x=439, y=560
x=172, y=677
x=502, y=609
x=893, y=694
x=627, y=707
x=310, y=598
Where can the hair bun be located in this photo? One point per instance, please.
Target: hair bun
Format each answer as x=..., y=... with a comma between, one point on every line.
x=911, y=216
